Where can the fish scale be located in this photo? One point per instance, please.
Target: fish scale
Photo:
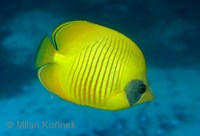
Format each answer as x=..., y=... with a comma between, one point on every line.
x=97, y=68
x=94, y=49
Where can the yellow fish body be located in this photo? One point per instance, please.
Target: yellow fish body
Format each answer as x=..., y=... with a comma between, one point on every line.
x=92, y=65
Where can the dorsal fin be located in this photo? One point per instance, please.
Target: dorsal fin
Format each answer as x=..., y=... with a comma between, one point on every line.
x=67, y=35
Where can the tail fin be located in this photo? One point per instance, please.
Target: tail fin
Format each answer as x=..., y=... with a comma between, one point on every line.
x=45, y=53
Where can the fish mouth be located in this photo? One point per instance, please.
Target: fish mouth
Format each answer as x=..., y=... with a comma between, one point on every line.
x=146, y=97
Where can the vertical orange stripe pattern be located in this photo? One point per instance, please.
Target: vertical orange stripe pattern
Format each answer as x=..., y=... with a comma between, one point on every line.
x=97, y=69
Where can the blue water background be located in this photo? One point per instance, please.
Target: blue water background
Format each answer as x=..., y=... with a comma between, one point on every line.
x=167, y=32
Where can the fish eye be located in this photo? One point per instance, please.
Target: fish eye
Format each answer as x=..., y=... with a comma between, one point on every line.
x=142, y=89
x=134, y=91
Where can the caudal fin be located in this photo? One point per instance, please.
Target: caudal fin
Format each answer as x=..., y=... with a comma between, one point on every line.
x=45, y=53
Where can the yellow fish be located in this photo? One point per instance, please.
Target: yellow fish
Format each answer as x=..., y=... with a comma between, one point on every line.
x=92, y=65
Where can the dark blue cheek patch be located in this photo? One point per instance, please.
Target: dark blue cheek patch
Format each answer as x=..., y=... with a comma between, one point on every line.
x=133, y=91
